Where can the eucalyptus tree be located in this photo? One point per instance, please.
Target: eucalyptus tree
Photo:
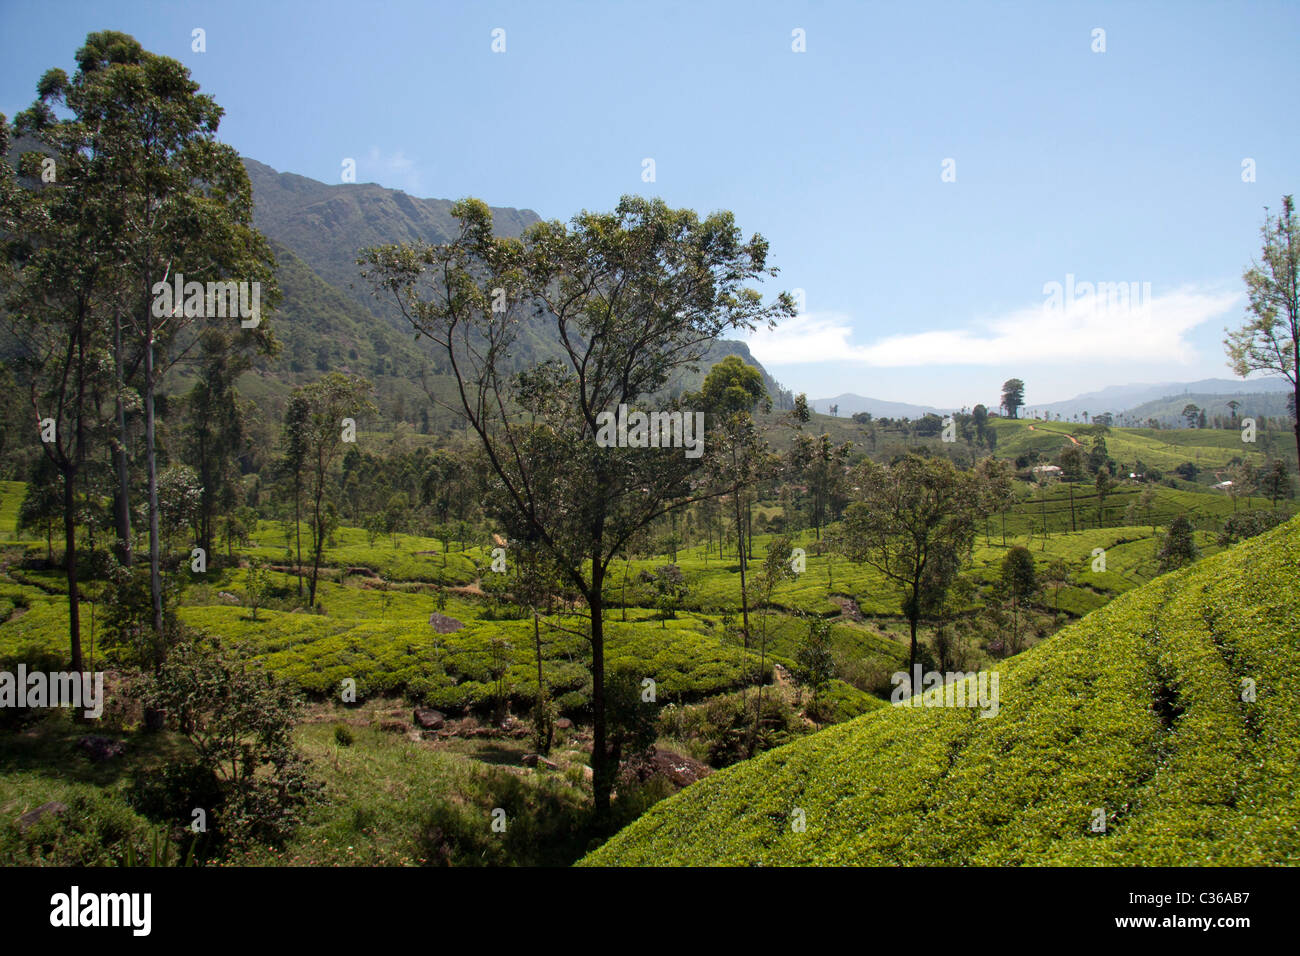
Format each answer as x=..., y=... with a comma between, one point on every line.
x=914, y=522
x=322, y=419
x=214, y=435
x=1270, y=340
x=57, y=273
x=994, y=490
x=776, y=569
x=162, y=198
x=732, y=390
x=627, y=299
x=822, y=467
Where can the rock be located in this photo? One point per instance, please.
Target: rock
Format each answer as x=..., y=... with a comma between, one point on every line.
x=564, y=723
x=677, y=769
x=100, y=749
x=392, y=726
x=444, y=624
x=430, y=719
x=228, y=597
x=32, y=817
x=537, y=760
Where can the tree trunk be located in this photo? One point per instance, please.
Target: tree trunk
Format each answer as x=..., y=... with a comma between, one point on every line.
x=602, y=773
x=627, y=566
x=911, y=661
x=543, y=739
x=740, y=552
x=70, y=565
x=297, y=528
x=762, y=664
x=122, y=504
x=319, y=535
x=1296, y=398
x=749, y=527
x=151, y=463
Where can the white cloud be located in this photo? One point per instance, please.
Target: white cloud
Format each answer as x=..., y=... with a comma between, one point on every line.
x=394, y=170
x=1092, y=328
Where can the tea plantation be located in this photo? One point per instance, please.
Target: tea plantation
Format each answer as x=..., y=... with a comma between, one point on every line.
x=1163, y=729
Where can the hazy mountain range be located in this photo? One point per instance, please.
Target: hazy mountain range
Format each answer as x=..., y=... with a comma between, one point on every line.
x=1264, y=396
x=850, y=404
x=1126, y=399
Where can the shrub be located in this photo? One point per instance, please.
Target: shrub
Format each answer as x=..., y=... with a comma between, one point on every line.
x=1247, y=524
x=1179, y=546
x=239, y=719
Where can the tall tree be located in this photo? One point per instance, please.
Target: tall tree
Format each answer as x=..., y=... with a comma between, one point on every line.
x=821, y=465
x=628, y=298
x=909, y=516
x=731, y=392
x=1275, y=482
x=980, y=416
x=995, y=490
x=329, y=408
x=214, y=432
x=1013, y=396
x=1072, y=470
x=293, y=464
x=1179, y=547
x=57, y=272
x=1270, y=339
x=1019, y=583
x=1103, y=486
x=776, y=568
x=163, y=197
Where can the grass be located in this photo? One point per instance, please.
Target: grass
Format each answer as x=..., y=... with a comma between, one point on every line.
x=394, y=802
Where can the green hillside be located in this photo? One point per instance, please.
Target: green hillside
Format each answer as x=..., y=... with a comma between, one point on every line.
x=1164, y=448
x=1135, y=711
x=1169, y=411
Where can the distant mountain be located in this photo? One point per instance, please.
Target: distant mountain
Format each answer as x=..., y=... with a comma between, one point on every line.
x=327, y=225
x=329, y=320
x=850, y=404
x=1122, y=399
x=1169, y=411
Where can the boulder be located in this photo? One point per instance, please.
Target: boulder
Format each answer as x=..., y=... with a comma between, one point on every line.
x=537, y=760
x=444, y=624
x=32, y=817
x=430, y=719
x=100, y=749
x=564, y=723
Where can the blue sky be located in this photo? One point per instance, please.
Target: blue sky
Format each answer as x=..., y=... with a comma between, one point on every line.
x=1115, y=166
